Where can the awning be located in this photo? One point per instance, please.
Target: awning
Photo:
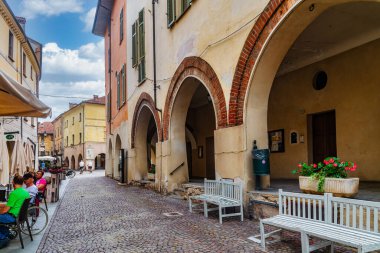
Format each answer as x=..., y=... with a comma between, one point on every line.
x=16, y=100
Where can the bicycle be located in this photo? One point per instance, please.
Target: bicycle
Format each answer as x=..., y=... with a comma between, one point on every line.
x=70, y=173
x=37, y=218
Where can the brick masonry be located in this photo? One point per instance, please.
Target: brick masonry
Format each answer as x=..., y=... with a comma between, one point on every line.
x=199, y=68
x=267, y=21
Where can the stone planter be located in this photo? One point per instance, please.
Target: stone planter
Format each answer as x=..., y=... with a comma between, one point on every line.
x=151, y=176
x=339, y=187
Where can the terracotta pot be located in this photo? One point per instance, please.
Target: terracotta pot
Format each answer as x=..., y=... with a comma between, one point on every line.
x=339, y=187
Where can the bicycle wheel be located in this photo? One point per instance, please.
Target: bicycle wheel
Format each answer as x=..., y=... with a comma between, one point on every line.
x=38, y=220
x=70, y=174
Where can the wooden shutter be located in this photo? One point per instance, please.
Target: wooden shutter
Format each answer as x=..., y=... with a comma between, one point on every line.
x=185, y=5
x=124, y=95
x=171, y=8
x=134, y=44
x=118, y=90
x=121, y=24
x=141, y=44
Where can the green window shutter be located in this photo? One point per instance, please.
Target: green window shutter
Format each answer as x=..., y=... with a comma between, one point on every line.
x=171, y=8
x=124, y=84
x=121, y=24
x=142, y=70
x=141, y=35
x=185, y=5
x=118, y=90
x=134, y=44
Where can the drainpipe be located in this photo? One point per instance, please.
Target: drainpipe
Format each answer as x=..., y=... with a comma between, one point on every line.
x=83, y=135
x=160, y=138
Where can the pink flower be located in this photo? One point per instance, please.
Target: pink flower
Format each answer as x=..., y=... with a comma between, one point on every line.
x=325, y=162
x=314, y=165
x=331, y=160
x=353, y=169
x=299, y=165
x=335, y=164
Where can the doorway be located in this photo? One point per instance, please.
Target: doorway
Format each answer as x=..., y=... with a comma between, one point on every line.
x=323, y=135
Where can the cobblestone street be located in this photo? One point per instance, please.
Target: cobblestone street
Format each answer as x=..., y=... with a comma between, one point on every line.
x=97, y=215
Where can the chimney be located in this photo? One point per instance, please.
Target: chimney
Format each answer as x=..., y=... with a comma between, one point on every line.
x=71, y=105
x=96, y=96
x=22, y=22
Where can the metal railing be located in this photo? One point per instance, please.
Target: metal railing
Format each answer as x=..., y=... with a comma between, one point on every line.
x=179, y=166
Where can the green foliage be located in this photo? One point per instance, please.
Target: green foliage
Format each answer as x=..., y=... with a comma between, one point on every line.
x=330, y=167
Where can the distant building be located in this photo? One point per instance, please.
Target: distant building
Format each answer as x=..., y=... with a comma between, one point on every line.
x=45, y=139
x=58, y=137
x=84, y=133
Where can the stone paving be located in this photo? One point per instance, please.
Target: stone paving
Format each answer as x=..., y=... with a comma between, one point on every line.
x=97, y=215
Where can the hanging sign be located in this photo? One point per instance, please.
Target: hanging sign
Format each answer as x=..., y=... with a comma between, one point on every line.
x=9, y=137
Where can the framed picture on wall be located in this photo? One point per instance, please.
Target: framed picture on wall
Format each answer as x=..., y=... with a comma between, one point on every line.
x=276, y=141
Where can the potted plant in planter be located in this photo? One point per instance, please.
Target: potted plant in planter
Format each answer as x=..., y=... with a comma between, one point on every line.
x=328, y=176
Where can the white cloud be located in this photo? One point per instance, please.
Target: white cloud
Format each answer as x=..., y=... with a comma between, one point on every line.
x=83, y=64
x=34, y=8
x=68, y=92
x=88, y=19
x=71, y=73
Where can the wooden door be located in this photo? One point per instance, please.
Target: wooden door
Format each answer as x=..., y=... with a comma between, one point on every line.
x=189, y=152
x=324, y=135
x=210, y=158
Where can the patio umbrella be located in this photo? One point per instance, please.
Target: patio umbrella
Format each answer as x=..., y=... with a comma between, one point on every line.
x=16, y=100
x=4, y=159
x=18, y=157
x=29, y=155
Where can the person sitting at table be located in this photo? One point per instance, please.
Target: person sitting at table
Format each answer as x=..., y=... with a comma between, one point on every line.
x=10, y=210
x=30, y=187
x=41, y=182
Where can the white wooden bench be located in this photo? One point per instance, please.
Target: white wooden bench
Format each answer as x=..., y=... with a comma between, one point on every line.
x=334, y=220
x=221, y=193
x=350, y=222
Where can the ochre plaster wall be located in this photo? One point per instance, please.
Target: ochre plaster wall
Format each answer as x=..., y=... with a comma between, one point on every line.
x=352, y=91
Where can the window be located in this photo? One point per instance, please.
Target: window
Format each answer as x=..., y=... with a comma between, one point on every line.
x=73, y=140
x=73, y=121
x=24, y=64
x=10, y=46
x=109, y=107
x=138, y=46
x=67, y=141
x=80, y=137
x=80, y=117
x=121, y=24
x=175, y=9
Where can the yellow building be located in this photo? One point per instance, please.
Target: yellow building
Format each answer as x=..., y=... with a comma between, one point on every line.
x=84, y=130
x=45, y=139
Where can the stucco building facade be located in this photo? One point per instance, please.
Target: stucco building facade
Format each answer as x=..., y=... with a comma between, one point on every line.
x=230, y=72
x=84, y=132
x=20, y=61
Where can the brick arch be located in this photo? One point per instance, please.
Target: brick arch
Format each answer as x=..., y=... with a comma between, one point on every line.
x=196, y=67
x=265, y=24
x=145, y=100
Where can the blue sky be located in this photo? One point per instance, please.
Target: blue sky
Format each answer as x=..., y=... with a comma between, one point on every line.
x=73, y=58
